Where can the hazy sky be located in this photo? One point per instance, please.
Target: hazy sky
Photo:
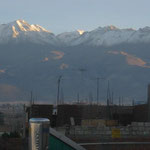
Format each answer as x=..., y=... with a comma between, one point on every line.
x=67, y=15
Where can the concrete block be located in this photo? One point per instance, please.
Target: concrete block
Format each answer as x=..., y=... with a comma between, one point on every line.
x=147, y=124
x=141, y=128
x=146, y=133
x=140, y=123
x=106, y=128
x=134, y=123
x=124, y=132
x=102, y=132
x=108, y=132
x=134, y=128
x=134, y=133
x=140, y=133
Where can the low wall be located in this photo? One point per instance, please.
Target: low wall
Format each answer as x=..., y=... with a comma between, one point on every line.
x=134, y=130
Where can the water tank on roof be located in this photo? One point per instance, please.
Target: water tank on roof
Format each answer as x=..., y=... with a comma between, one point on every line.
x=39, y=133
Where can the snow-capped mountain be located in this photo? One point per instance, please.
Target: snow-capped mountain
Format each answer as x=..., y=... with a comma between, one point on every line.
x=32, y=58
x=21, y=31
x=107, y=36
x=110, y=35
x=67, y=38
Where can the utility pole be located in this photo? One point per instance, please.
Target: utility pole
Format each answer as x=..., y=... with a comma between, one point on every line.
x=98, y=90
x=31, y=104
x=58, y=89
x=62, y=96
x=24, y=121
x=112, y=98
x=31, y=99
x=108, y=102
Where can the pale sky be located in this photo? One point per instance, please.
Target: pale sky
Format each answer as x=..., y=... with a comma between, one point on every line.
x=68, y=15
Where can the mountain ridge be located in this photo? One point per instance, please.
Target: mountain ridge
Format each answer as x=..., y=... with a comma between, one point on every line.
x=20, y=30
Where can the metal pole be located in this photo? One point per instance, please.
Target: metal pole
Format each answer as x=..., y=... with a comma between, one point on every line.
x=59, y=79
x=31, y=99
x=97, y=90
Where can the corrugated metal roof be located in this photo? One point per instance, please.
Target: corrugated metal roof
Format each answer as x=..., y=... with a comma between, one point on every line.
x=68, y=142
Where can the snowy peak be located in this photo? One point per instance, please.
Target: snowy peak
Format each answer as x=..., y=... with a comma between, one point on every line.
x=21, y=25
x=80, y=31
x=21, y=31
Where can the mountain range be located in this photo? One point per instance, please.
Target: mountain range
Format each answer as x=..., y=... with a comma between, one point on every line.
x=21, y=31
x=32, y=59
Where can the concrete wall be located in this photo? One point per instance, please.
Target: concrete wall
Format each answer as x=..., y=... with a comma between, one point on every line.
x=134, y=130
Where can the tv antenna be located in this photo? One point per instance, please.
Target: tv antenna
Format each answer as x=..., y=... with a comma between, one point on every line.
x=58, y=89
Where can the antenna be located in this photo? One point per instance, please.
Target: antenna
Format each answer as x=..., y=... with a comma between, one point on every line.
x=112, y=98
x=108, y=94
x=33, y=101
x=108, y=101
x=58, y=84
x=62, y=96
x=98, y=88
